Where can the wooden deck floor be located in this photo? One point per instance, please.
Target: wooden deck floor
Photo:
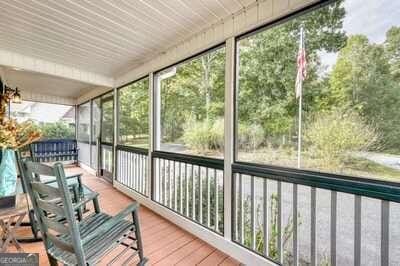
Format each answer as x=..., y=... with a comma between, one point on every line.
x=164, y=242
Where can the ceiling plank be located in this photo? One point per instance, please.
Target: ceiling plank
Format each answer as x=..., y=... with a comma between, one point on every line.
x=28, y=63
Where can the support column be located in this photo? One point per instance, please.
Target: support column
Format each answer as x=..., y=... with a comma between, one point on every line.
x=150, y=170
x=115, y=138
x=229, y=134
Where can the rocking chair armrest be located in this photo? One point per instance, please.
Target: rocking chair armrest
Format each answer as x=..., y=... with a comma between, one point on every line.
x=112, y=222
x=77, y=176
x=85, y=200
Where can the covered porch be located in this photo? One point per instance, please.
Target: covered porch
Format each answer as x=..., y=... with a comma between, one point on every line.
x=256, y=132
x=165, y=243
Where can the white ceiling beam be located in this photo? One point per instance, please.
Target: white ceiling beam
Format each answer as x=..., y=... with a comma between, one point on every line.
x=28, y=63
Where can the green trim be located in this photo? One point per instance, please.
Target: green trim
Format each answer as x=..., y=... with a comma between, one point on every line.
x=190, y=159
x=354, y=185
x=132, y=149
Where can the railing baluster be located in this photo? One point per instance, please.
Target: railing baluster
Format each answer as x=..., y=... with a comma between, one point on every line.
x=200, y=196
x=357, y=230
x=164, y=184
x=253, y=214
x=123, y=168
x=295, y=225
x=159, y=180
x=241, y=203
x=143, y=176
x=208, y=197
x=234, y=208
x=180, y=189
x=141, y=163
x=186, y=190
x=333, y=226
x=279, y=222
x=126, y=179
x=146, y=192
x=169, y=185
x=140, y=167
x=216, y=201
x=175, y=200
x=313, y=227
x=137, y=163
x=193, y=194
x=120, y=168
x=129, y=172
x=385, y=218
x=265, y=218
x=135, y=170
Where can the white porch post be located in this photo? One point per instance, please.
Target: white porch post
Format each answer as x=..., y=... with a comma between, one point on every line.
x=150, y=184
x=229, y=138
x=115, y=138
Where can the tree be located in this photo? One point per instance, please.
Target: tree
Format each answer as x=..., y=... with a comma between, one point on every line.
x=267, y=68
x=392, y=49
x=362, y=80
x=134, y=112
x=57, y=130
x=194, y=93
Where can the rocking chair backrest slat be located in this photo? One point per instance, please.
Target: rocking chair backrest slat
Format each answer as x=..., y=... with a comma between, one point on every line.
x=60, y=243
x=50, y=207
x=40, y=169
x=49, y=201
x=46, y=190
x=55, y=225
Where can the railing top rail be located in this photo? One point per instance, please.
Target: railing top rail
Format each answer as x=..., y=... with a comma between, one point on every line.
x=132, y=149
x=385, y=190
x=190, y=159
x=53, y=141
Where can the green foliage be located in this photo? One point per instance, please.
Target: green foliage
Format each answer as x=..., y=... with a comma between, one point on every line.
x=250, y=136
x=332, y=137
x=267, y=68
x=57, y=130
x=194, y=93
x=363, y=80
x=203, y=136
x=392, y=49
x=133, y=113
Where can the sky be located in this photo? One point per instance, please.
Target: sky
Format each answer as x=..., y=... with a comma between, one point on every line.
x=371, y=18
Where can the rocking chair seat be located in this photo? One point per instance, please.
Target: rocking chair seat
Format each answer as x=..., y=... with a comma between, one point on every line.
x=98, y=246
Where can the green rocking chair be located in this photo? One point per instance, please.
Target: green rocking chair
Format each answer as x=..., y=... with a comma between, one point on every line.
x=74, y=183
x=73, y=242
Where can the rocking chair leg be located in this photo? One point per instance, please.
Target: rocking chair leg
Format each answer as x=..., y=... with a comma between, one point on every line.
x=139, y=243
x=52, y=261
x=34, y=226
x=76, y=197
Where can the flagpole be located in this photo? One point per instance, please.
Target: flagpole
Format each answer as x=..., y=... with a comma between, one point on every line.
x=299, y=129
x=300, y=96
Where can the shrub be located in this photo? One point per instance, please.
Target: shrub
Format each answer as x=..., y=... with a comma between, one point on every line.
x=250, y=136
x=204, y=135
x=331, y=137
x=57, y=130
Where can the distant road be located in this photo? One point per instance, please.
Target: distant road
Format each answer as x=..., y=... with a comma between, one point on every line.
x=389, y=160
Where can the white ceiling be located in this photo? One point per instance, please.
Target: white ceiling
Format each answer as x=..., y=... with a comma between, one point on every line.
x=29, y=82
x=105, y=36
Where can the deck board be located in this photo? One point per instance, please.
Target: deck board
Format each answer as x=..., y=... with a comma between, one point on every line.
x=164, y=242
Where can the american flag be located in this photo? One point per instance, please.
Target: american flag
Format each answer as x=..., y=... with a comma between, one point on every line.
x=301, y=65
